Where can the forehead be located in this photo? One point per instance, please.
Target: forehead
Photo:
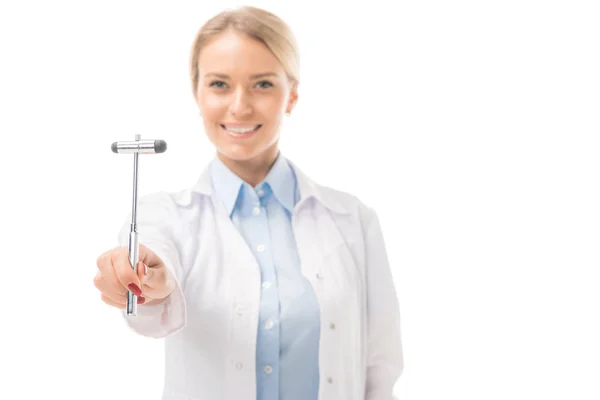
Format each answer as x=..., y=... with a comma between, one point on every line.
x=233, y=52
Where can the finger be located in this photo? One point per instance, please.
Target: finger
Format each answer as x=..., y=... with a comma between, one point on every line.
x=148, y=257
x=120, y=303
x=149, y=276
x=155, y=280
x=123, y=270
x=104, y=258
x=108, y=289
x=142, y=272
x=115, y=297
x=145, y=274
x=106, y=281
x=111, y=302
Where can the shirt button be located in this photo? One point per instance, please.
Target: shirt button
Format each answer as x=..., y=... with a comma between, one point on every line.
x=266, y=285
x=239, y=365
x=256, y=210
x=260, y=248
x=268, y=369
x=330, y=379
x=269, y=324
x=260, y=192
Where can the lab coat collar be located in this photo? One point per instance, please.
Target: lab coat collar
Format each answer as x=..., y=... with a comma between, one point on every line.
x=227, y=185
x=307, y=187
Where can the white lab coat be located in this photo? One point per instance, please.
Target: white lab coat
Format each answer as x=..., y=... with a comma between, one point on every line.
x=210, y=321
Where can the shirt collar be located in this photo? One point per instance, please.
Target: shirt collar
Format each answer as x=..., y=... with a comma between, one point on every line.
x=280, y=179
x=307, y=189
x=225, y=183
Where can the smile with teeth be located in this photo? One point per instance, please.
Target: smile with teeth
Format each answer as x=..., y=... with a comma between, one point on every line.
x=240, y=131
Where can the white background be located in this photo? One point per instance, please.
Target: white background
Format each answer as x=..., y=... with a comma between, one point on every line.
x=470, y=126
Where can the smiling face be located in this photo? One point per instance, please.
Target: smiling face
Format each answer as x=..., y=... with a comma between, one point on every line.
x=243, y=94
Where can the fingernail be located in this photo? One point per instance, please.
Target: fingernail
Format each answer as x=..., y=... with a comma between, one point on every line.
x=141, y=300
x=136, y=290
x=144, y=267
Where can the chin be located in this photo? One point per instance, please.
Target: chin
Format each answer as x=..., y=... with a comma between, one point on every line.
x=243, y=149
x=239, y=153
x=246, y=152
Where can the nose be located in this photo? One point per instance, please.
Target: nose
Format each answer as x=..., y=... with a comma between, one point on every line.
x=241, y=103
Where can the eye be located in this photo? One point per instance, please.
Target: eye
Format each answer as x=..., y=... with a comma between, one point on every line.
x=212, y=84
x=267, y=82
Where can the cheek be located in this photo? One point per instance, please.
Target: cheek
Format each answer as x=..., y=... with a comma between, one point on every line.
x=270, y=106
x=211, y=106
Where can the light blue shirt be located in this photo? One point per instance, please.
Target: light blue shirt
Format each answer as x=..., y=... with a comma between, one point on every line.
x=287, y=352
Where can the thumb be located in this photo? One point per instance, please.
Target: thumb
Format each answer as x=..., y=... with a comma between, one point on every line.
x=143, y=272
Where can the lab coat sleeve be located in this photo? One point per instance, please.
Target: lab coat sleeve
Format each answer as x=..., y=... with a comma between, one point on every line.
x=384, y=349
x=156, y=227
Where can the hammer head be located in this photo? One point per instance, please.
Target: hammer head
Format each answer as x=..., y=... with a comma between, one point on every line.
x=140, y=146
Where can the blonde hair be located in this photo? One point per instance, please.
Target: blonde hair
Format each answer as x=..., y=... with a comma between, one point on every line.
x=258, y=24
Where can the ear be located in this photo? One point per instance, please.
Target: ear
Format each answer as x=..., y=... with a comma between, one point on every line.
x=293, y=97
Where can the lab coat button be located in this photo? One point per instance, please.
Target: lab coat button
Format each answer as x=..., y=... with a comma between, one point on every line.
x=330, y=379
x=266, y=285
x=319, y=275
x=269, y=324
x=332, y=326
x=239, y=365
x=260, y=248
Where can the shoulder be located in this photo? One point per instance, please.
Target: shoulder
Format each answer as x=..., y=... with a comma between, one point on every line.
x=349, y=204
x=348, y=201
x=340, y=202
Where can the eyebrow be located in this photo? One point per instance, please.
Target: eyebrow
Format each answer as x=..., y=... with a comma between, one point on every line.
x=255, y=76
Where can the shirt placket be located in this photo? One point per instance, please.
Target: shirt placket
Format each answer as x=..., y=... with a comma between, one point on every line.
x=268, y=334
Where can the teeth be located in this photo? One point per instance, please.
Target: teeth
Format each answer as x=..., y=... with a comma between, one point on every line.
x=240, y=130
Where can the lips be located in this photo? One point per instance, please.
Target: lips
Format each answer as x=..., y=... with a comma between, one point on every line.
x=240, y=135
x=234, y=128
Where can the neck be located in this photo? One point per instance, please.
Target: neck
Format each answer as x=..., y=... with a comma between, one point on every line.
x=254, y=170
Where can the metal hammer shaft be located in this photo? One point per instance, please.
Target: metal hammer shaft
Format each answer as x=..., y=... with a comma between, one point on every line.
x=136, y=147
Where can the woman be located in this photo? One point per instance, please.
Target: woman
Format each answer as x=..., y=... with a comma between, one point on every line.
x=264, y=284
